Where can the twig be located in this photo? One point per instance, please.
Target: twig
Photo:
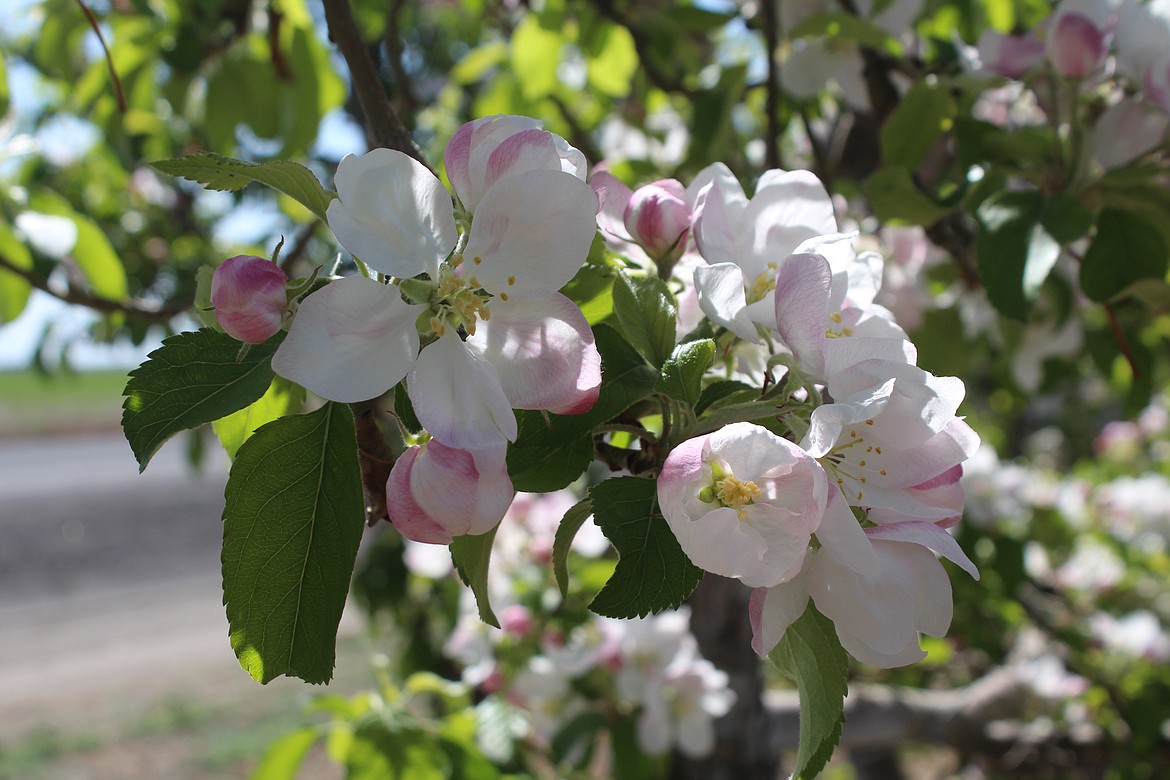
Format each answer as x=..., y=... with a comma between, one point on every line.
x=383, y=127
x=159, y=314
x=1122, y=341
x=771, y=24
x=119, y=93
x=279, y=63
x=403, y=85
x=377, y=459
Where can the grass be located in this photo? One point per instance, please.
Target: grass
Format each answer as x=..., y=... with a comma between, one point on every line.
x=33, y=404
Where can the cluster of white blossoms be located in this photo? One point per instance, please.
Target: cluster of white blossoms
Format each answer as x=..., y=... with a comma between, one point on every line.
x=848, y=517
x=462, y=303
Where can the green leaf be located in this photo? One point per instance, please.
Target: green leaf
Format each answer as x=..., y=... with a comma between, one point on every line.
x=93, y=252
x=612, y=66
x=570, y=524
x=548, y=455
x=592, y=290
x=682, y=373
x=3, y=88
x=14, y=290
x=849, y=27
x=536, y=53
x=284, y=757
x=292, y=524
x=894, y=196
x=472, y=555
x=653, y=573
x=383, y=750
x=716, y=392
x=646, y=311
x=192, y=379
x=280, y=400
x=217, y=172
x=1014, y=251
x=733, y=413
x=1125, y=250
x=810, y=654
x=477, y=62
x=925, y=112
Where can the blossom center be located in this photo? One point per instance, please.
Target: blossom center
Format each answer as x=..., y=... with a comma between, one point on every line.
x=763, y=284
x=854, y=462
x=457, y=304
x=837, y=333
x=730, y=491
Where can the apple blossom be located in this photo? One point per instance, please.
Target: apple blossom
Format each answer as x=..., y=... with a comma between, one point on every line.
x=1009, y=55
x=1075, y=46
x=1127, y=130
x=743, y=502
x=249, y=297
x=436, y=492
x=744, y=241
x=532, y=230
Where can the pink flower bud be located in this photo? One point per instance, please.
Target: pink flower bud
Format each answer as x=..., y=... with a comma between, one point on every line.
x=1075, y=46
x=658, y=215
x=436, y=492
x=249, y=297
x=516, y=619
x=1009, y=55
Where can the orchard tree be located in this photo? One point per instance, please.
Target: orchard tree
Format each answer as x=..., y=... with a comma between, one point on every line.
x=651, y=341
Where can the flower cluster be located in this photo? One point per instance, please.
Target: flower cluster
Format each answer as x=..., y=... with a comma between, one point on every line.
x=848, y=517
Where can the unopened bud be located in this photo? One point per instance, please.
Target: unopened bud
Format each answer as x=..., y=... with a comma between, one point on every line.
x=249, y=297
x=516, y=619
x=657, y=216
x=1075, y=46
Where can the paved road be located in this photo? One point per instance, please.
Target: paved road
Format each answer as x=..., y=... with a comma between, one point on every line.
x=109, y=580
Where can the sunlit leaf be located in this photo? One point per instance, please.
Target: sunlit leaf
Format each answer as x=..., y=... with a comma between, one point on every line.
x=293, y=519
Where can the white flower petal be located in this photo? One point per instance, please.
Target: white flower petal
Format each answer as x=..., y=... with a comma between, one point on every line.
x=772, y=610
x=350, y=341
x=457, y=396
x=532, y=231
x=722, y=298
x=543, y=349
x=392, y=213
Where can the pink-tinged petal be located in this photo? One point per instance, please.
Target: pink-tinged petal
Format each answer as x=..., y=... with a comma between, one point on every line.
x=772, y=610
x=612, y=198
x=722, y=298
x=457, y=396
x=944, y=491
x=1009, y=55
x=801, y=299
x=1127, y=130
x=350, y=341
x=456, y=158
x=543, y=350
x=532, y=232
x=392, y=213
x=908, y=653
x=842, y=537
x=1075, y=46
x=657, y=216
x=927, y=535
x=467, y=153
x=407, y=515
x=528, y=150
x=683, y=475
x=438, y=492
x=249, y=297
x=719, y=543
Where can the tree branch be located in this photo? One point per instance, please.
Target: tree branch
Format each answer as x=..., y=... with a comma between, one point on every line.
x=105, y=305
x=771, y=23
x=383, y=127
x=403, y=85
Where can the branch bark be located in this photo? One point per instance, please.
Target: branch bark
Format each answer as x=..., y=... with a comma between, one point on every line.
x=383, y=127
x=105, y=305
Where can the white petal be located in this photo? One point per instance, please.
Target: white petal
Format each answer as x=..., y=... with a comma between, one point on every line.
x=928, y=535
x=532, y=231
x=392, y=213
x=789, y=207
x=543, y=349
x=722, y=298
x=457, y=396
x=801, y=299
x=842, y=537
x=350, y=341
x=772, y=610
